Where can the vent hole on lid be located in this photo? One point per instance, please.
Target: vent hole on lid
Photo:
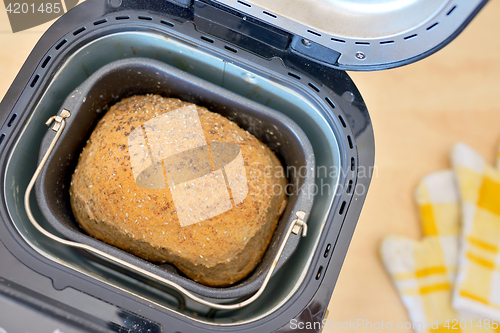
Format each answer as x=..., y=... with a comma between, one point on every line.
x=330, y=102
x=314, y=87
x=270, y=14
x=230, y=48
x=353, y=164
x=320, y=270
x=314, y=33
x=122, y=17
x=147, y=18
x=100, y=21
x=294, y=75
x=206, y=39
x=387, y=42
x=61, y=43
x=11, y=121
x=362, y=43
x=327, y=250
x=1, y=138
x=451, y=10
x=410, y=37
x=167, y=23
x=432, y=26
x=349, y=187
x=46, y=61
x=244, y=4
x=338, y=40
x=349, y=140
x=342, y=121
x=82, y=29
x=34, y=81
x=342, y=208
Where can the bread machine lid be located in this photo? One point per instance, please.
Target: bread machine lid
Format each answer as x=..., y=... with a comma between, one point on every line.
x=366, y=34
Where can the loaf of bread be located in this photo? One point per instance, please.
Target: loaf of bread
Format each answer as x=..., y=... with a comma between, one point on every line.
x=172, y=182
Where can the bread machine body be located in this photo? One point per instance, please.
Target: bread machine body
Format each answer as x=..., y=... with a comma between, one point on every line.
x=253, y=49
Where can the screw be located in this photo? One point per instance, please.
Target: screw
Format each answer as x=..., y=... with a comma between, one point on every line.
x=306, y=42
x=348, y=97
x=115, y=3
x=360, y=55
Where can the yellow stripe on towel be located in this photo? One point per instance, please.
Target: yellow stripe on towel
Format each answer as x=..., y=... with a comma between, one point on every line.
x=430, y=271
x=442, y=329
x=488, y=196
x=428, y=221
x=483, y=245
x=480, y=261
x=465, y=294
x=435, y=287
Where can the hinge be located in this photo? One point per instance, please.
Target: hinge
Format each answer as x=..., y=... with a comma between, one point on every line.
x=240, y=30
x=314, y=51
x=57, y=120
x=300, y=223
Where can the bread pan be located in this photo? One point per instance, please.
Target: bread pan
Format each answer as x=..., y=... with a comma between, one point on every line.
x=124, y=78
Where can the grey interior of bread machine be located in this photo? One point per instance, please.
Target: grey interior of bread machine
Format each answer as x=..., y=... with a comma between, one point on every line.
x=302, y=107
x=146, y=76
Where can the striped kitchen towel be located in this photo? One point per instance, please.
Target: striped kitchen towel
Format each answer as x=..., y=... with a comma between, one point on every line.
x=478, y=282
x=424, y=272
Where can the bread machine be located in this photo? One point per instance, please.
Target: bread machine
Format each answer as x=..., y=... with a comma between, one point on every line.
x=286, y=56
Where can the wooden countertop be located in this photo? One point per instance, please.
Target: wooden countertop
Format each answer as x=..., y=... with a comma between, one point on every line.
x=418, y=113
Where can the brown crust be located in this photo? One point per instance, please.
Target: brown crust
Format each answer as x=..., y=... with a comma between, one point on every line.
x=109, y=205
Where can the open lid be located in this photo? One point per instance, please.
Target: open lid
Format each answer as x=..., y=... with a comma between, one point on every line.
x=364, y=34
